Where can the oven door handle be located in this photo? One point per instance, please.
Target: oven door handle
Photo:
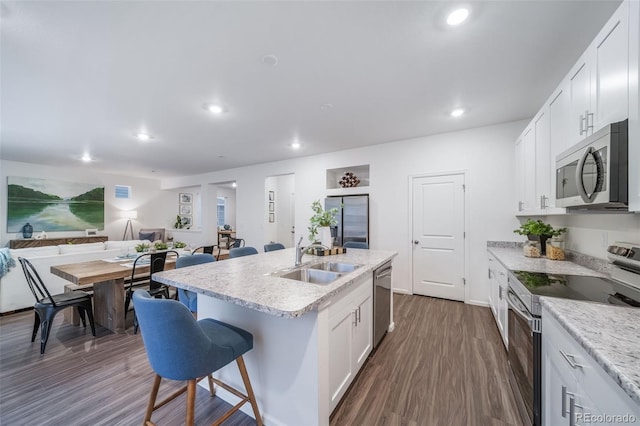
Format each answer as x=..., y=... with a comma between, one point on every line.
x=518, y=308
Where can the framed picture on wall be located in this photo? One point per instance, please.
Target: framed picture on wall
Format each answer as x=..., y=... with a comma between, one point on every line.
x=186, y=220
x=186, y=209
x=185, y=197
x=272, y=207
x=272, y=217
x=272, y=196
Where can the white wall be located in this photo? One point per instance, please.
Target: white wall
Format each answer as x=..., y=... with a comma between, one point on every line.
x=156, y=208
x=283, y=188
x=486, y=154
x=591, y=233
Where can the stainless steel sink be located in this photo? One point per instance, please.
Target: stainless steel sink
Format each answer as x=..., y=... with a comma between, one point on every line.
x=314, y=276
x=335, y=267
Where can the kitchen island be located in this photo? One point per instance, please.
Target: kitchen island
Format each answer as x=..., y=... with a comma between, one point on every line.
x=309, y=339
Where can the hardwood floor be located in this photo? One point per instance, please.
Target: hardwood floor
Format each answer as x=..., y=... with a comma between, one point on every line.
x=443, y=365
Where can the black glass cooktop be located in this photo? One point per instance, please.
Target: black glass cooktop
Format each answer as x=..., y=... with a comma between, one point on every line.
x=579, y=287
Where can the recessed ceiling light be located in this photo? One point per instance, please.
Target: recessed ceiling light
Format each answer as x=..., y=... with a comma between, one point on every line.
x=295, y=145
x=271, y=60
x=144, y=137
x=214, y=109
x=457, y=112
x=86, y=158
x=458, y=16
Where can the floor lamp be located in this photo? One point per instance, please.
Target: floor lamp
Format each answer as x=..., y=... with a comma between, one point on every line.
x=131, y=214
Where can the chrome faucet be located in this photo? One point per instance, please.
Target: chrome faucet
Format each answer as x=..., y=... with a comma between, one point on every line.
x=301, y=250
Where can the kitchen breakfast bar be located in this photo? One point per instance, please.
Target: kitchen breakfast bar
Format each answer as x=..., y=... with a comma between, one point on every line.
x=310, y=339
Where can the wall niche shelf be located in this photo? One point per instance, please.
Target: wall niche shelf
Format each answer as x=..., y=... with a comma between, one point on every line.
x=360, y=172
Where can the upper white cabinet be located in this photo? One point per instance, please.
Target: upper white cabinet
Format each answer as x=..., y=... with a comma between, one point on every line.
x=634, y=106
x=536, y=177
x=601, y=88
x=610, y=70
x=598, y=84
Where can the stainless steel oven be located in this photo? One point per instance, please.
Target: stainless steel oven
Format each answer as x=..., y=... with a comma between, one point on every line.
x=524, y=353
x=525, y=333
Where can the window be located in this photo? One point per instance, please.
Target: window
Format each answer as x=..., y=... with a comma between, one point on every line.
x=220, y=209
x=123, y=191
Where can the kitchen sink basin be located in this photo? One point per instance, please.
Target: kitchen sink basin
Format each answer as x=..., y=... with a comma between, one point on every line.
x=314, y=276
x=335, y=267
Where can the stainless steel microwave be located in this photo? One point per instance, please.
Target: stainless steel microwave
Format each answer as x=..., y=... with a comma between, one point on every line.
x=594, y=173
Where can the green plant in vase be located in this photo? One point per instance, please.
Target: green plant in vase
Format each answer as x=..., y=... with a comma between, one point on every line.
x=321, y=218
x=537, y=230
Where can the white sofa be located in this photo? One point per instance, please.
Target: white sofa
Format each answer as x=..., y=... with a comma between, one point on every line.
x=14, y=291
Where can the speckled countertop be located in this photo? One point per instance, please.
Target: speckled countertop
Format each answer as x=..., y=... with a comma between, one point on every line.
x=247, y=281
x=608, y=333
x=514, y=260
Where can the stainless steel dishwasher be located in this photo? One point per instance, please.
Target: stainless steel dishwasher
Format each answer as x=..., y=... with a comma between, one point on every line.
x=381, y=302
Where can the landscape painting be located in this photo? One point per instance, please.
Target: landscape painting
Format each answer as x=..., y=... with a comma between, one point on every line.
x=50, y=205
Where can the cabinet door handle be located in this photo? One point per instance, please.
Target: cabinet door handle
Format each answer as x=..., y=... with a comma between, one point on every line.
x=355, y=317
x=570, y=359
x=572, y=412
x=500, y=292
x=359, y=314
x=588, y=126
x=520, y=206
x=564, y=401
x=416, y=242
x=582, y=129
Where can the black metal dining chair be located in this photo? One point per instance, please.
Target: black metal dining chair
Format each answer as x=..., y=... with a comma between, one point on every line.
x=48, y=305
x=156, y=262
x=213, y=250
x=235, y=243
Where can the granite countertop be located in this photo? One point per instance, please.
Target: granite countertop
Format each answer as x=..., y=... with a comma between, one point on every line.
x=247, y=281
x=608, y=333
x=513, y=259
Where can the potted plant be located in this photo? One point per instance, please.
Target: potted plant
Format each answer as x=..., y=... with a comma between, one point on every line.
x=537, y=230
x=321, y=221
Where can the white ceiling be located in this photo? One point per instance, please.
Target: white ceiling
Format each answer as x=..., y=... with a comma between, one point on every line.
x=86, y=76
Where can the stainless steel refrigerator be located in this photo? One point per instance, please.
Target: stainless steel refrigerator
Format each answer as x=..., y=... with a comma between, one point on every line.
x=353, y=219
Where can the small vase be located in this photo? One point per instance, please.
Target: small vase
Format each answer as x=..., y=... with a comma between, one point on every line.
x=27, y=231
x=324, y=233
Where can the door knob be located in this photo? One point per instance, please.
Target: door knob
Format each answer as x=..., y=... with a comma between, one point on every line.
x=416, y=242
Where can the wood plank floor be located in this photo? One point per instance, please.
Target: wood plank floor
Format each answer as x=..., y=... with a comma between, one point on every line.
x=443, y=365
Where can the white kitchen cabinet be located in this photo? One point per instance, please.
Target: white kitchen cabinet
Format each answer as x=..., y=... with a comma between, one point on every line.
x=598, y=84
x=350, y=338
x=575, y=388
x=634, y=106
x=536, y=175
x=498, y=285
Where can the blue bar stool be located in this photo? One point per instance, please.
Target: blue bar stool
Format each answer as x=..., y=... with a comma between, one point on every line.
x=181, y=348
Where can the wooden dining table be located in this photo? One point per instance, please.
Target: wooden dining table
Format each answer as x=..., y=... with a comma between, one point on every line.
x=107, y=278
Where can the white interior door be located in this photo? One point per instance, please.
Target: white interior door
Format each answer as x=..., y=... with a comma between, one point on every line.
x=438, y=236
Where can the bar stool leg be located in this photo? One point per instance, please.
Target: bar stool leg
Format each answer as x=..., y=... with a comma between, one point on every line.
x=152, y=399
x=250, y=394
x=191, y=402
